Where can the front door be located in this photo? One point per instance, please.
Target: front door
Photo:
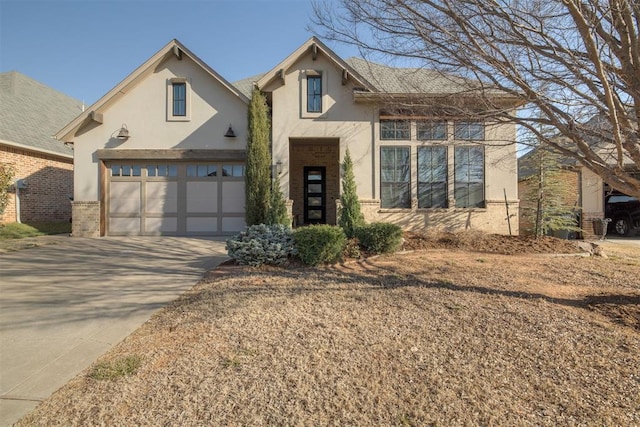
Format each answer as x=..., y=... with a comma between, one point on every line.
x=314, y=195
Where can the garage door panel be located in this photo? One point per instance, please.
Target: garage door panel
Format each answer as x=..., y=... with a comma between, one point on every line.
x=161, y=197
x=161, y=225
x=233, y=224
x=202, y=197
x=125, y=198
x=202, y=225
x=124, y=226
x=233, y=196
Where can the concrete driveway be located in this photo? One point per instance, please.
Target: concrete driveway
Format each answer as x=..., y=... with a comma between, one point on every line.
x=63, y=305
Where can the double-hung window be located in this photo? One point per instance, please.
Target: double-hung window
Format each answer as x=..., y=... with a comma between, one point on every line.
x=314, y=94
x=395, y=129
x=432, y=177
x=469, y=176
x=395, y=177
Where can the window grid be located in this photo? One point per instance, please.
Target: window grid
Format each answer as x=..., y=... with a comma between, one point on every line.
x=469, y=176
x=469, y=131
x=314, y=94
x=432, y=177
x=395, y=129
x=179, y=99
x=432, y=130
x=395, y=177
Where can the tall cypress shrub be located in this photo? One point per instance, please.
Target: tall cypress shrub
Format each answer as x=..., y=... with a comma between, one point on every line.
x=277, y=207
x=258, y=169
x=350, y=212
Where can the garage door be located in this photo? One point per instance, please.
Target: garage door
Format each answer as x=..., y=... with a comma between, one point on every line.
x=205, y=198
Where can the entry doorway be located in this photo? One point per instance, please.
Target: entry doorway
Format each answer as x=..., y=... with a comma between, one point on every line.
x=315, y=205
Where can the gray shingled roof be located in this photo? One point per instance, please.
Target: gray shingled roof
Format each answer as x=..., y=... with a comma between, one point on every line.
x=30, y=113
x=408, y=80
x=246, y=85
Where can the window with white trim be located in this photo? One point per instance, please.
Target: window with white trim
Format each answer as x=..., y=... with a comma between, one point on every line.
x=469, y=131
x=313, y=94
x=432, y=177
x=431, y=130
x=395, y=129
x=395, y=177
x=469, y=176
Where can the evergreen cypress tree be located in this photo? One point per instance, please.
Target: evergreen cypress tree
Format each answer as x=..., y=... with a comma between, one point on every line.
x=350, y=215
x=277, y=207
x=258, y=169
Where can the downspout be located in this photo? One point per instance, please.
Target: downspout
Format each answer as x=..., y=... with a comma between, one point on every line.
x=17, y=201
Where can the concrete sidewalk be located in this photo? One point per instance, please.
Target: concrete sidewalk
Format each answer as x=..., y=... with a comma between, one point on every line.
x=63, y=305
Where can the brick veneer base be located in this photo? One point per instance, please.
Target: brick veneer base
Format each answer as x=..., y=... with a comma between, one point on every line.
x=86, y=219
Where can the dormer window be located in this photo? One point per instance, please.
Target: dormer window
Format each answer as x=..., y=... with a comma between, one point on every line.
x=178, y=100
x=314, y=94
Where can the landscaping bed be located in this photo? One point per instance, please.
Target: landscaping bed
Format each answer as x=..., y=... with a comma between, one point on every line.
x=431, y=337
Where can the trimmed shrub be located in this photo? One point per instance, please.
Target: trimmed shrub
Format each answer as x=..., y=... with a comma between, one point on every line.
x=318, y=244
x=262, y=244
x=380, y=237
x=350, y=214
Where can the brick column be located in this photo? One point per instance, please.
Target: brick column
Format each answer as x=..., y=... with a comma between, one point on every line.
x=86, y=219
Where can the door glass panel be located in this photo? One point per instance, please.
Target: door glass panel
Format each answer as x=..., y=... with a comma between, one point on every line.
x=173, y=170
x=314, y=201
x=126, y=170
x=314, y=175
x=314, y=188
x=115, y=170
x=136, y=170
x=314, y=214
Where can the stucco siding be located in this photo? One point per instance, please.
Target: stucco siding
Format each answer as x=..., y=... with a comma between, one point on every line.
x=144, y=111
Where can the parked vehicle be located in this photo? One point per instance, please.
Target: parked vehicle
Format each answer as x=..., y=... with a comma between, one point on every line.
x=624, y=212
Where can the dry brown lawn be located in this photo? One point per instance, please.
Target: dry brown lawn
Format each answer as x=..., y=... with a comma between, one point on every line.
x=432, y=337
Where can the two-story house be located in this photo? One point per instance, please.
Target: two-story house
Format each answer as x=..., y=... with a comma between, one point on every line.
x=163, y=152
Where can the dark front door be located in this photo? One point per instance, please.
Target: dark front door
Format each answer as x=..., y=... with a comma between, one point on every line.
x=314, y=195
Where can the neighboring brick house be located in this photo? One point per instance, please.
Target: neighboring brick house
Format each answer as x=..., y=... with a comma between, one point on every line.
x=163, y=152
x=30, y=113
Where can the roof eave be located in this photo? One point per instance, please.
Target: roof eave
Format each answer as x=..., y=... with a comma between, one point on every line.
x=37, y=150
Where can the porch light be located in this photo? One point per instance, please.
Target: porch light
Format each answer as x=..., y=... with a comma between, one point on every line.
x=123, y=133
x=230, y=133
x=278, y=167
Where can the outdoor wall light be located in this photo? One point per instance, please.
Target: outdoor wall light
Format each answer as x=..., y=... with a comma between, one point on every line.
x=278, y=167
x=123, y=133
x=230, y=133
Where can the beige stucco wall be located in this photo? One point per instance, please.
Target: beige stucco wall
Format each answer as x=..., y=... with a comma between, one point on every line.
x=343, y=119
x=144, y=110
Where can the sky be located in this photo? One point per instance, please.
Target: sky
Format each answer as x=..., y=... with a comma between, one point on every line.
x=84, y=48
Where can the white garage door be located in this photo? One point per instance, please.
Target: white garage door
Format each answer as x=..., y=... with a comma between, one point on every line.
x=205, y=198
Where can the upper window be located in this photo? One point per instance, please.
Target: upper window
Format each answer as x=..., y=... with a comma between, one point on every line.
x=395, y=177
x=314, y=94
x=432, y=130
x=395, y=129
x=470, y=131
x=432, y=177
x=179, y=99
x=469, y=176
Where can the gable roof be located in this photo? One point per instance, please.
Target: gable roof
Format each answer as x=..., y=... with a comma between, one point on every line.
x=174, y=47
x=31, y=112
x=313, y=44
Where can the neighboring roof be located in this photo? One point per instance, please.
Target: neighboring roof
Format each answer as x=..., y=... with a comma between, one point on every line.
x=30, y=113
x=174, y=47
x=246, y=85
x=314, y=44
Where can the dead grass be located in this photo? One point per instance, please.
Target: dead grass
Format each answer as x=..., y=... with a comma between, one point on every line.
x=436, y=337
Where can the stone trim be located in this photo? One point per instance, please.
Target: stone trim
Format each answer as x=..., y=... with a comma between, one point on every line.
x=86, y=219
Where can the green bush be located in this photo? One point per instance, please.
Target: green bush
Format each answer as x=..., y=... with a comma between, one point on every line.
x=262, y=244
x=318, y=244
x=380, y=237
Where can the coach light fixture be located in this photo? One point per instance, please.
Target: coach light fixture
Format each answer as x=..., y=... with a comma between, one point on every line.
x=230, y=133
x=123, y=133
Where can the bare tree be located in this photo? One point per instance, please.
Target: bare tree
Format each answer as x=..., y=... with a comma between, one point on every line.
x=573, y=64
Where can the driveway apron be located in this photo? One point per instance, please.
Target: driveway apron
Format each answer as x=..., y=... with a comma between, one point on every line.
x=64, y=305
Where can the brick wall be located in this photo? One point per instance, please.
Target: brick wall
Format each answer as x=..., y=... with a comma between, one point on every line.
x=86, y=219
x=49, y=186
